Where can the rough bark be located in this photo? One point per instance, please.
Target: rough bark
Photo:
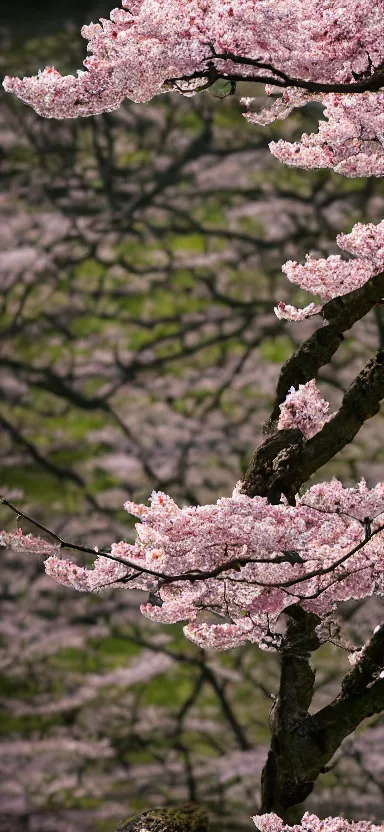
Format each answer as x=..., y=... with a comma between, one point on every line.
x=361, y=401
x=274, y=466
x=187, y=818
x=302, y=743
x=285, y=460
x=340, y=314
x=361, y=695
x=288, y=775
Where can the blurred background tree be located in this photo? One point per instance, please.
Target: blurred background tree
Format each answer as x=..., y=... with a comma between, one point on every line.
x=140, y=261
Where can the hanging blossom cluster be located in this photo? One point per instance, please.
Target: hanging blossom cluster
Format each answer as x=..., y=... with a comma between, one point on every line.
x=350, y=141
x=287, y=100
x=365, y=241
x=311, y=823
x=149, y=42
x=331, y=277
x=287, y=312
x=28, y=543
x=243, y=559
x=304, y=409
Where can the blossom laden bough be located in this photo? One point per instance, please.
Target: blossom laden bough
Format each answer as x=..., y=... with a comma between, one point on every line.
x=365, y=241
x=333, y=277
x=358, y=502
x=244, y=559
x=311, y=823
x=330, y=277
x=143, y=46
x=350, y=141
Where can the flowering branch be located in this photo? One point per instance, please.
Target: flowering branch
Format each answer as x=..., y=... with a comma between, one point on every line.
x=152, y=48
x=285, y=461
x=192, y=576
x=278, y=77
x=80, y=577
x=339, y=314
x=360, y=402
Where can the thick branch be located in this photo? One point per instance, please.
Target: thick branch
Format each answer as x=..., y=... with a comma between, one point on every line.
x=288, y=775
x=301, y=744
x=274, y=465
x=360, y=402
x=340, y=314
x=285, y=461
x=361, y=695
x=277, y=77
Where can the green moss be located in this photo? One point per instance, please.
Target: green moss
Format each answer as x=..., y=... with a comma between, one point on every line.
x=26, y=726
x=89, y=269
x=46, y=488
x=252, y=226
x=183, y=278
x=184, y=819
x=229, y=118
x=116, y=649
x=168, y=691
x=135, y=157
x=189, y=122
x=276, y=349
x=187, y=242
x=77, y=423
x=76, y=660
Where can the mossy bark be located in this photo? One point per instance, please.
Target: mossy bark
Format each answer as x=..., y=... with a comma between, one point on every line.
x=188, y=818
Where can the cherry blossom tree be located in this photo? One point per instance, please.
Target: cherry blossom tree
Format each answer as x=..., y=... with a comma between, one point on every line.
x=275, y=560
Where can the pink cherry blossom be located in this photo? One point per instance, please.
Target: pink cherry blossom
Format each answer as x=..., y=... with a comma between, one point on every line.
x=282, y=107
x=350, y=141
x=365, y=241
x=311, y=823
x=244, y=559
x=304, y=409
x=330, y=277
x=358, y=502
x=20, y=542
x=68, y=573
x=105, y=573
x=136, y=51
x=287, y=312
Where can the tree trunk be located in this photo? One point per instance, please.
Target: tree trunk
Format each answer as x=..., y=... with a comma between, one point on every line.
x=295, y=754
